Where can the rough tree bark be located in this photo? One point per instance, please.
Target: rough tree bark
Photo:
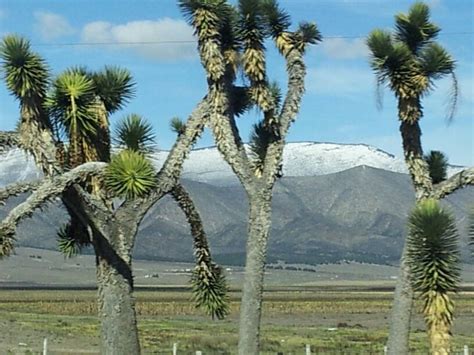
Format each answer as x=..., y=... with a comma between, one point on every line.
x=116, y=303
x=251, y=304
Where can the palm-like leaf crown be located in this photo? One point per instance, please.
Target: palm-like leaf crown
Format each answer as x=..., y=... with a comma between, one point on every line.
x=25, y=72
x=71, y=238
x=135, y=133
x=438, y=166
x=410, y=60
x=130, y=174
x=71, y=104
x=114, y=86
x=177, y=125
x=433, y=257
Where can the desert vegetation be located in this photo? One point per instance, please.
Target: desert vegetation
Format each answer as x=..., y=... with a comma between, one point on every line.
x=65, y=126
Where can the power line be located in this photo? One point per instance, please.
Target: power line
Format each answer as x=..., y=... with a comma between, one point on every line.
x=142, y=43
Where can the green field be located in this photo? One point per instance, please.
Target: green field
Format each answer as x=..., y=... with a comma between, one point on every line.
x=332, y=322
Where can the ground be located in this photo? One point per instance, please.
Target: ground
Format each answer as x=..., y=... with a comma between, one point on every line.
x=328, y=307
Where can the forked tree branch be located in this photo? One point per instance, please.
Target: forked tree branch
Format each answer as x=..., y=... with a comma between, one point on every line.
x=457, y=181
x=296, y=70
x=209, y=285
x=17, y=189
x=51, y=187
x=170, y=172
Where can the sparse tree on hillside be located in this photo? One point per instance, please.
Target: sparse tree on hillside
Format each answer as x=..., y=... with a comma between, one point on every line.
x=409, y=61
x=232, y=39
x=79, y=170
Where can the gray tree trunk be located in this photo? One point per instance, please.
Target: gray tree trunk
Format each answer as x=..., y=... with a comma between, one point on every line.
x=399, y=334
x=116, y=304
x=251, y=305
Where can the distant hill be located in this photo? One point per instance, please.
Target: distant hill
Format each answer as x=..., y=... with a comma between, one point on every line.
x=327, y=208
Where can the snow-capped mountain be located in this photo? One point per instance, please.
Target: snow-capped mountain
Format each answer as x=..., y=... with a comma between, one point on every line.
x=206, y=164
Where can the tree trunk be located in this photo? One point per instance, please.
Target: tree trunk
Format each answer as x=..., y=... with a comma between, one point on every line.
x=251, y=306
x=440, y=338
x=399, y=334
x=116, y=304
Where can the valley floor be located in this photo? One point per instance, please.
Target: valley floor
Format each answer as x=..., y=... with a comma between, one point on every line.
x=332, y=322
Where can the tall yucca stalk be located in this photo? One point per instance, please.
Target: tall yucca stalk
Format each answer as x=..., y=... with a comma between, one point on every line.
x=433, y=257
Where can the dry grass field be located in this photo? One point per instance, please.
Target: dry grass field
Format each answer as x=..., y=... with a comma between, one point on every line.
x=332, y=322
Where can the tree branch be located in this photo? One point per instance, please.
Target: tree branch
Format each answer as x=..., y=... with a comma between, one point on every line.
x=296, y=70
x=170, y=172
x=16, y=189
x=51, y=187
x=227, y=137
x=209, y=285
x=8, y=140
x=455, y=182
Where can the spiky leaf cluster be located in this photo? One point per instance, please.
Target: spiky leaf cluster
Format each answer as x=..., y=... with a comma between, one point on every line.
x=25, y=72
x=260, y=139
x=210, y=290
x=134, y=133
x=114, y=86
x=71, y=102
x=71, y=238
x=7, y=237
x=177, y=125
x=415, y=28
x=207, y=18
x=130, y=174
x=438, y=166
x=307, y=33
x=409, y=61
x=240, y=100
x=433, y=258
x=277, y=19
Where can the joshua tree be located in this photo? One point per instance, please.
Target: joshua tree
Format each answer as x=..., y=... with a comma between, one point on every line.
x=231, y=39
x=433, y=257
x=80, y=173
x=408, y=61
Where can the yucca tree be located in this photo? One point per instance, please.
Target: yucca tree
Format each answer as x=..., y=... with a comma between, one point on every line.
x=409, y=61
x=29, y=87
x=433, y=257
x=81, y=101
x=232, y=38
x=129, y=175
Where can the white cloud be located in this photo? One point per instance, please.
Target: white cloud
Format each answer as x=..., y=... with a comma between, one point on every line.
x=340, y=80
x=343, y=48
x=176, y=37
x=51, y=26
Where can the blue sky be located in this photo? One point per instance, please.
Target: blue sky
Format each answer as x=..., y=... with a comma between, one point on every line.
x=339, y=105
